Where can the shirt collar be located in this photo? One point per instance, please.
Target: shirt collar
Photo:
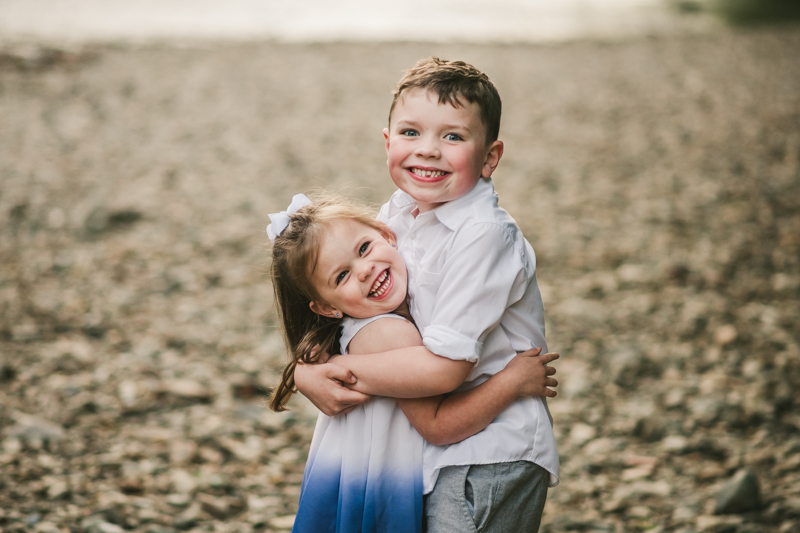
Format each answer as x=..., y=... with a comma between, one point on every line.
x=449, y=214
x=401, y=202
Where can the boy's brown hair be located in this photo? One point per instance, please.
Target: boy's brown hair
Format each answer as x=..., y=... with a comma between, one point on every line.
x=453, y=80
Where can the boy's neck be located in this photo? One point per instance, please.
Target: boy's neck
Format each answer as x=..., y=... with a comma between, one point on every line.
x=431, y=206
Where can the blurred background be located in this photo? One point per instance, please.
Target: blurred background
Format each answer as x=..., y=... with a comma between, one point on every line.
x=652, y=159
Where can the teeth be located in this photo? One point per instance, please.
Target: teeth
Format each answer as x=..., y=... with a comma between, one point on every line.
x=428, y=173
x=377, y=289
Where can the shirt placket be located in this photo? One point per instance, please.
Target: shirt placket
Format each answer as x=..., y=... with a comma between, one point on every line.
x=417, y=250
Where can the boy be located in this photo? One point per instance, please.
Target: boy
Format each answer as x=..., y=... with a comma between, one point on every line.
x=474, y=297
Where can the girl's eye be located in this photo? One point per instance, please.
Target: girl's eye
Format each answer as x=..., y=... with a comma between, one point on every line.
x=409, y=133
x=341, y=276
x=453, y=137
x=364, y=248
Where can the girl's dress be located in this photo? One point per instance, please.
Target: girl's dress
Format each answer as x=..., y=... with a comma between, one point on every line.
x=364, y=469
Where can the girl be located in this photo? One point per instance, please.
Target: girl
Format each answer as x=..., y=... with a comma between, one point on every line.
x=340, y=285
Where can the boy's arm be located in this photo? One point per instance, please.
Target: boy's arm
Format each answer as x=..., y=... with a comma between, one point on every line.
x=440, y=419
x=487, y=270
x=445, y=420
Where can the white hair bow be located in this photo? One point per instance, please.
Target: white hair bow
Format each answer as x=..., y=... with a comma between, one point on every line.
x=281, y=220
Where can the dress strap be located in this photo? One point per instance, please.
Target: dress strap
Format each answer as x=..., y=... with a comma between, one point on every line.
x=351, y=327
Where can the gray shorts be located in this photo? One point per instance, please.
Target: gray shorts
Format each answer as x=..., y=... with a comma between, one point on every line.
x=494, y=498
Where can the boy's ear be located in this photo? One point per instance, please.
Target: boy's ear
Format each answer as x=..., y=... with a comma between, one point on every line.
x=324, y=309
x=493, y=156
x=386, y=138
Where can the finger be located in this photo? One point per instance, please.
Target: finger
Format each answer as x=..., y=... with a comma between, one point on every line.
x=550, y=393
x=551, y=382
x=347, y=410
x=549, y=370
x=348, y=397
x=532, y=352
x=549, y=357
x=342, y=374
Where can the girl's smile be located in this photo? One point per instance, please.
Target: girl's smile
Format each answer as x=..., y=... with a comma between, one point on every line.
x=382, y=285
x=359, y=273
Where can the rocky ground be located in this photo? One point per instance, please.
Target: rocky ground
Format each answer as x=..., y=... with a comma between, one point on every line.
x=658, y=180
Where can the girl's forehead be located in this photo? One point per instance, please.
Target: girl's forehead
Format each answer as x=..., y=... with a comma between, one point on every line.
x=338, y=237
x=345, y=226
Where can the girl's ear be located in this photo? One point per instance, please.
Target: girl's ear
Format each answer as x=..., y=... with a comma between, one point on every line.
x=324, y=309
x=386, y=232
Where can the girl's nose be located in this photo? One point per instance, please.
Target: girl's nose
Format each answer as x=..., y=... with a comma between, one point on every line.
x=365, y=268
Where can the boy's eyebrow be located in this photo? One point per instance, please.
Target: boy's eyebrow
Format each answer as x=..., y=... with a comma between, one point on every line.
x=413, y=123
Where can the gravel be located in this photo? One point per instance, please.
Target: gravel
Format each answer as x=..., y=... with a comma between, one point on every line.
x=658, y=180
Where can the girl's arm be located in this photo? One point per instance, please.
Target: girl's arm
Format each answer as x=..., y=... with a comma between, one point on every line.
x=444, y=420
x=388, y=359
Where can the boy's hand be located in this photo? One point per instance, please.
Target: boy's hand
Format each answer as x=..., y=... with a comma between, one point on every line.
x=531, y=373
x=323, y=384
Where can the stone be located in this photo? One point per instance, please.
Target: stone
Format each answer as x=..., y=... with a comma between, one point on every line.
x=282, y=523
x=740, y=495
x=178, y=500
x=650, y=428
x=48, y=527
x=103, y=527
x=181, y=451
x=216, y=507
x=183, y=481
x=725, y=334
x=248, y=451
x=629, y=366
x=32, y=428
x=188, y=518
x=187, y=389
x=57, y=489
x=581, y=433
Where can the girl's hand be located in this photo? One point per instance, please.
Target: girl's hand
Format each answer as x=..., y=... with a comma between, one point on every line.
x=530, y=375
x=323, y=385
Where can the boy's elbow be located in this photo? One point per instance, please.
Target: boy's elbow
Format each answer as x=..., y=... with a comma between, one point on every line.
x=445, y=436
x=453, y=373
x=437, y=436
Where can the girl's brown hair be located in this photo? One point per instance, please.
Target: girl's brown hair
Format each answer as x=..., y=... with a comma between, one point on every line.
x=294, y=257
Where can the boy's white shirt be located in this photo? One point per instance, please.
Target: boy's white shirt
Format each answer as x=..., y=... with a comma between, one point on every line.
x=474, y=297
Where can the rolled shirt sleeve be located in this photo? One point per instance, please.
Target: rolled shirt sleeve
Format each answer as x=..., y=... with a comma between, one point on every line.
x=484, y=273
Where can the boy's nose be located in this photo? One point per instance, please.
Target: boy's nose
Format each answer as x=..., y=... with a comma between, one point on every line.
x=427, y=148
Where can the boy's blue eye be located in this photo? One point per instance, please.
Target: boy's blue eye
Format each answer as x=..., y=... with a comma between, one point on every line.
x=453, y=137
x=409, y=133
x=341, y=276
x=363, y=249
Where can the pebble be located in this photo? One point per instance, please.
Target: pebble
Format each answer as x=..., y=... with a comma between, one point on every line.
x=34, y=430
x=137, y=328
x=740, y=495
x=282, y=522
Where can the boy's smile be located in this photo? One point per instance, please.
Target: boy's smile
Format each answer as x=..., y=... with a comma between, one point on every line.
x=437, y=152
x=359, y=273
